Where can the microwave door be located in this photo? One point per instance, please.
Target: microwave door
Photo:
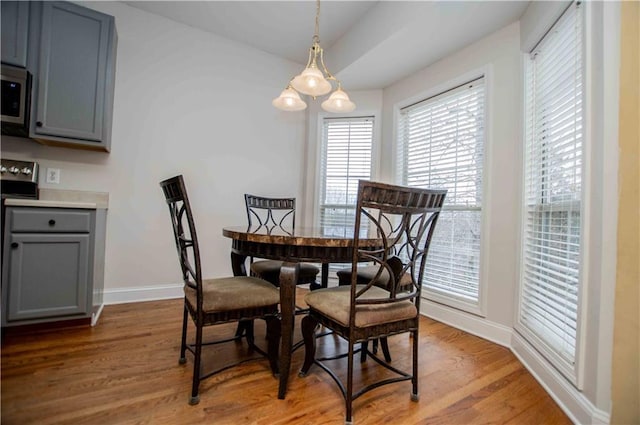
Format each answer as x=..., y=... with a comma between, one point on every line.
x=13, y=101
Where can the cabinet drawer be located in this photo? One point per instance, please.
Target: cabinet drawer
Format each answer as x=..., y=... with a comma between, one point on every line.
x=50, y=220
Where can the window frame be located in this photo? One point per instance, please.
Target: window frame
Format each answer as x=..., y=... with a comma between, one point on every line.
x=478, y=308
x=375, y=156
x=573, y=372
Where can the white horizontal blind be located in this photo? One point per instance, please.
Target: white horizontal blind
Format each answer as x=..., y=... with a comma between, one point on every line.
x=346, y=158
x=441, y=145
x=550, y=276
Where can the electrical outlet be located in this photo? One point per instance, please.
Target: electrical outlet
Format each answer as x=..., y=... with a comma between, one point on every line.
x=53, y=175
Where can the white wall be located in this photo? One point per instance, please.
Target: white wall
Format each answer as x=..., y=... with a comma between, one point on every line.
x=497, y=55
x=186, y=102
x=537, y=20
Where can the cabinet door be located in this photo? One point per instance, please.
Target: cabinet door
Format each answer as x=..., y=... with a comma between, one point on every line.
x=48, y=275
x=74, y=43
x=15, y=29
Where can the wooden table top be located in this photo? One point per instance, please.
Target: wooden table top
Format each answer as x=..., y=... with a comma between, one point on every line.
x=307, y=236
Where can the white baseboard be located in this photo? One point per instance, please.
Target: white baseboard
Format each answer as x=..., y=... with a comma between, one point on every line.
x=142, y=293
x=573, y=402
x=96, y=314
x=475, y=325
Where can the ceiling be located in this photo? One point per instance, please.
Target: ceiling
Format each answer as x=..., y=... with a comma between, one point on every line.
x=368, y=44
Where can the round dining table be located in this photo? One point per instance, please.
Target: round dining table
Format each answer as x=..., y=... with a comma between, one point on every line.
x=302, y=244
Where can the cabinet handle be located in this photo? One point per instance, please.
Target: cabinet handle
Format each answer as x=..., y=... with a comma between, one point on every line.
x=14, y=244
x=52, y=222
x=38, y=123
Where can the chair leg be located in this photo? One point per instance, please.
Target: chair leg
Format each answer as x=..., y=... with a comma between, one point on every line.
x=195, y=397
x=248, y=333
x=183, y=343
x=385, y=349
x=349, y=393
x=239, y=330
x=273, y=342
x=308, y=325
x=415, y=396
x=364, y=347
x=242, y=327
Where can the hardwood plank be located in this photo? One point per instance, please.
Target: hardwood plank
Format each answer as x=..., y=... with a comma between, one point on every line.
x=125, y=371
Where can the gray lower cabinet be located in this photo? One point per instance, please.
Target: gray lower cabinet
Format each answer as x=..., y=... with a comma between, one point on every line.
x=15, y=30
x=52, y=265
x=48, y=275
x=72, y=56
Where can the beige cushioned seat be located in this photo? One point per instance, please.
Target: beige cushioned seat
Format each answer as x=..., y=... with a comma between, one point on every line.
x=270, y=270
x=366, y=275
x=233, y=293
x=334, y=303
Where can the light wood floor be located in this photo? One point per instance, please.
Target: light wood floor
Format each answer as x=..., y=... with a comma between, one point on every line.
x=125, y=371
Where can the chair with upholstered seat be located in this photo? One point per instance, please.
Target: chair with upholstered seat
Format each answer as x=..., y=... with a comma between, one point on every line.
x=281, y=213
x=216, y=301
x=378, y=307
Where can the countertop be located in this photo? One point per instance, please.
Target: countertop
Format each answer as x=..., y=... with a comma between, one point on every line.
x=60, y=198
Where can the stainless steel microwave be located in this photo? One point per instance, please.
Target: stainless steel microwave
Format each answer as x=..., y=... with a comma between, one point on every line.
x=15, y=99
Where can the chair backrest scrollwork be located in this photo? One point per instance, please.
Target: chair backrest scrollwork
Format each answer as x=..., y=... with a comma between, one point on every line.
x=270, y=212
x=403, y=218
x=184, y=233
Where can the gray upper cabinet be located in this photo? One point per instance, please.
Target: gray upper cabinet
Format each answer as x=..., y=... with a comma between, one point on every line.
x=75, y=69
x=15, y=30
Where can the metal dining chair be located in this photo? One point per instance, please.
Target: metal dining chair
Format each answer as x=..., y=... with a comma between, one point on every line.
x=273, y=213
x=404, y=218
x=281, y=213
x=217, y=301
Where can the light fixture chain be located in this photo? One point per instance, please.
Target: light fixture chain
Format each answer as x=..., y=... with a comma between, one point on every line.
x=316, y=36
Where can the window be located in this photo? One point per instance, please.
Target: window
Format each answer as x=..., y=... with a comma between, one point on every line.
x=345, y=158
x=441, y=145
x=551, y=251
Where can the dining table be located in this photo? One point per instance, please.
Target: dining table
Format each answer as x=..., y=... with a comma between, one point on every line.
x=300, y=244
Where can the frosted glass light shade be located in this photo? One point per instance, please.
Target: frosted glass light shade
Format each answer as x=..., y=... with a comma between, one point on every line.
x=289, y=100
x=338, y=102
x=311, y=82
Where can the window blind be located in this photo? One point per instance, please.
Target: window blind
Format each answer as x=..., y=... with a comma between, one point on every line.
x=551, y=253
x=441, y=145
x=346, y=158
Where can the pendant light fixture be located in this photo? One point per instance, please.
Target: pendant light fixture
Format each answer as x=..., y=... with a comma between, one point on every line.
x=314, y=81
x=289, y=100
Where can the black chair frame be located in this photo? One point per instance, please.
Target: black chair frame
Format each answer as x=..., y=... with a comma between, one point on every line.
x=189, y=255
x=405, y=223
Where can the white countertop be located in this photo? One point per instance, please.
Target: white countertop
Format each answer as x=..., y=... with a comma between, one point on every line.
x=19, y=202
x=60, y=198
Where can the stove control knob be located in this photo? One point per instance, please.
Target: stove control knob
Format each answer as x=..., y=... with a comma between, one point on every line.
x=3, y=169
x=14, y=170
x=26, y=171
